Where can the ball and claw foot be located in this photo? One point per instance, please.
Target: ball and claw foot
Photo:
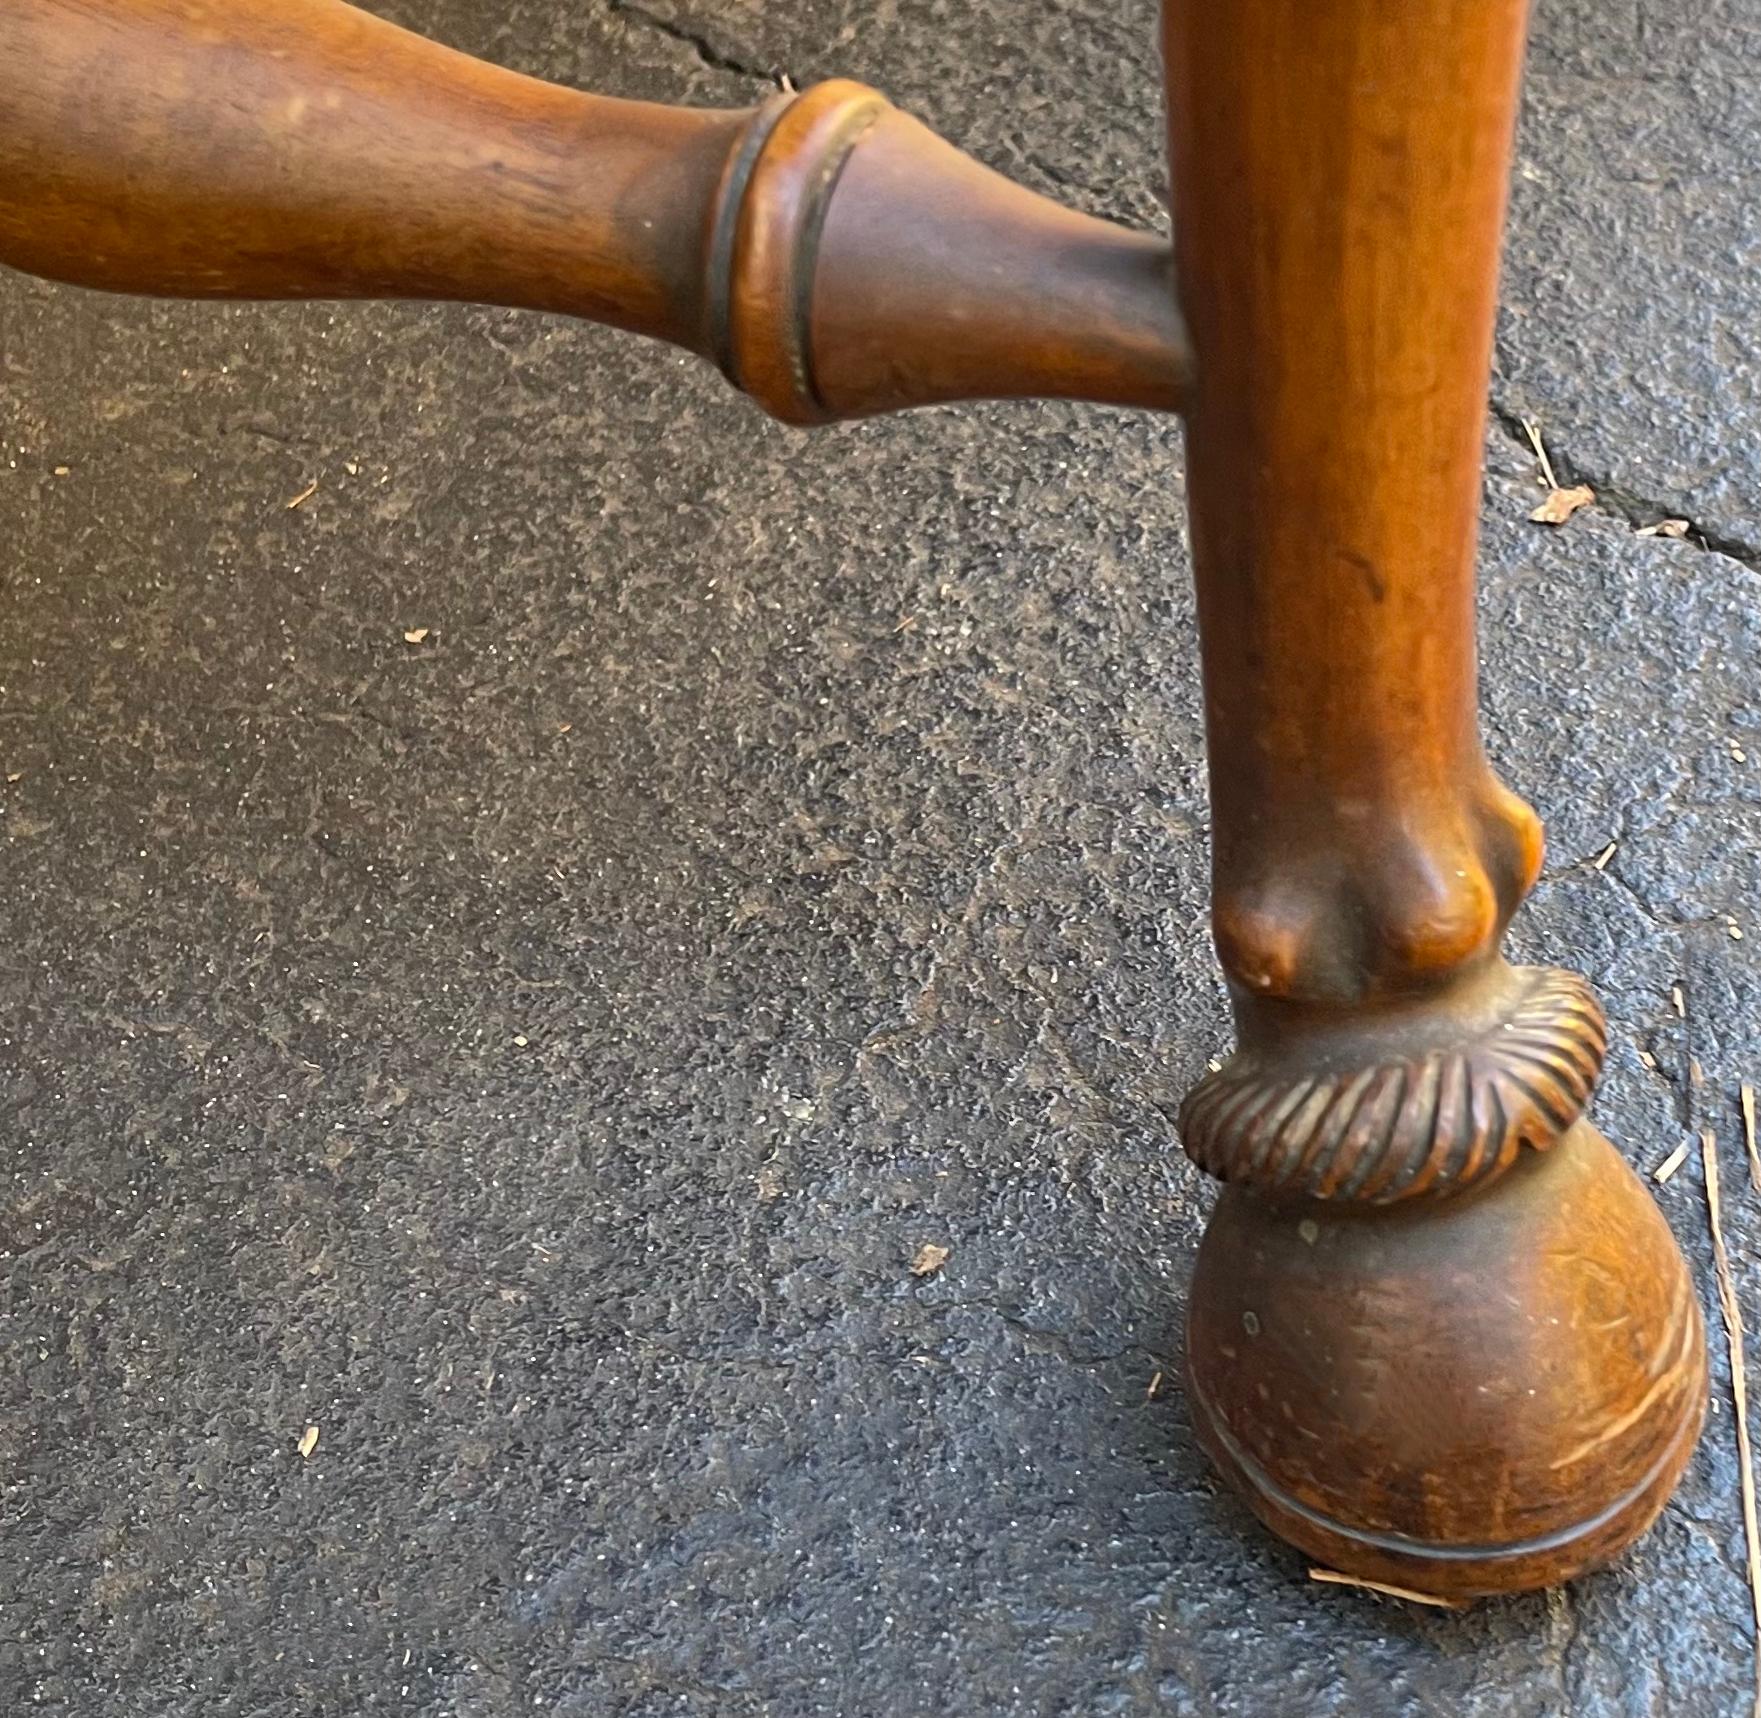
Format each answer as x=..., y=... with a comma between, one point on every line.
x=1440, y=1336
x=1487, y=1395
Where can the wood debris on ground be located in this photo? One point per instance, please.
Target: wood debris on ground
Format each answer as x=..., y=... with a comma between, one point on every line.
x=1671, y=1163
x=1533, y=431
x=1680, y=1001
x=304, y=495
x=1333, y=1578
x=1561, y=501
x=1600, y=862
x=929, y=1259
x=1155, y=1388
x=1748, y=1101
x=1561, y=504
x=416, y=635
x=1739, y=1388
x=1664, y=528
x=308, y=1442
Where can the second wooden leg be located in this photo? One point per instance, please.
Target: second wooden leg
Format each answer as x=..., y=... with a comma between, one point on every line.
x=1439, y=1335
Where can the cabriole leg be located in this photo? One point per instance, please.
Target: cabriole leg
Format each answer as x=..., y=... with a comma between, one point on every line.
x=1439, y=1334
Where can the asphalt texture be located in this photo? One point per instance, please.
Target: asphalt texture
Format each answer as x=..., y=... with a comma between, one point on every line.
x=535, y=1055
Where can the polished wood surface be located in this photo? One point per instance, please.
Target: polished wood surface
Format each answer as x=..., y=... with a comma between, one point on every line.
x=835, y=257
x=1439, y=1336
x=1340, y=174
x=1472, y=1397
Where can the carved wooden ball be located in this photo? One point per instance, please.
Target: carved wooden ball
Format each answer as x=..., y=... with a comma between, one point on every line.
x=1482, y=1396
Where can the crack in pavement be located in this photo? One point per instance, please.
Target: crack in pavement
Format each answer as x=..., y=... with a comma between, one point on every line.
x=1103, y=202
x=1039, y=1340
x=716, y=58
x=1628, y=504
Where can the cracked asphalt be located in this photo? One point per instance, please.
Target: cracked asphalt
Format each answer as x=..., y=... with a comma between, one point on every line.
x=534, y=1056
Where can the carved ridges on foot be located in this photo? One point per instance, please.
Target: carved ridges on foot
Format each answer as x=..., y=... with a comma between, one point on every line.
x=1430, y=1121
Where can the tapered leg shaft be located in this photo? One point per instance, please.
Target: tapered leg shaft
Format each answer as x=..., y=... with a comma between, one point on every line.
x=1413, y=1340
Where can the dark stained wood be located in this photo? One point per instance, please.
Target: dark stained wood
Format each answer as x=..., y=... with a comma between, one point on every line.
x=1439, y=1336
x=835, y=257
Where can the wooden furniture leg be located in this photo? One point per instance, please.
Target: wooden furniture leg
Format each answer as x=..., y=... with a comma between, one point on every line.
x=1439, y=1334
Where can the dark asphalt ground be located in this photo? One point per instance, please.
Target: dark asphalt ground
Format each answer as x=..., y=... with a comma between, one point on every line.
x=534, y=1056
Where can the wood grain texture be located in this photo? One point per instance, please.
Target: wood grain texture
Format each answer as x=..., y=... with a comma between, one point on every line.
x=304, y=149
x=1423, y=1353
x=1340, y=176
x=1478, y=1397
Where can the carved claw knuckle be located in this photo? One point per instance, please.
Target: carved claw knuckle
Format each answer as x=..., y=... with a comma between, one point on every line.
x=1434, y=922
x=1513, y=844
x=1401, y=913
